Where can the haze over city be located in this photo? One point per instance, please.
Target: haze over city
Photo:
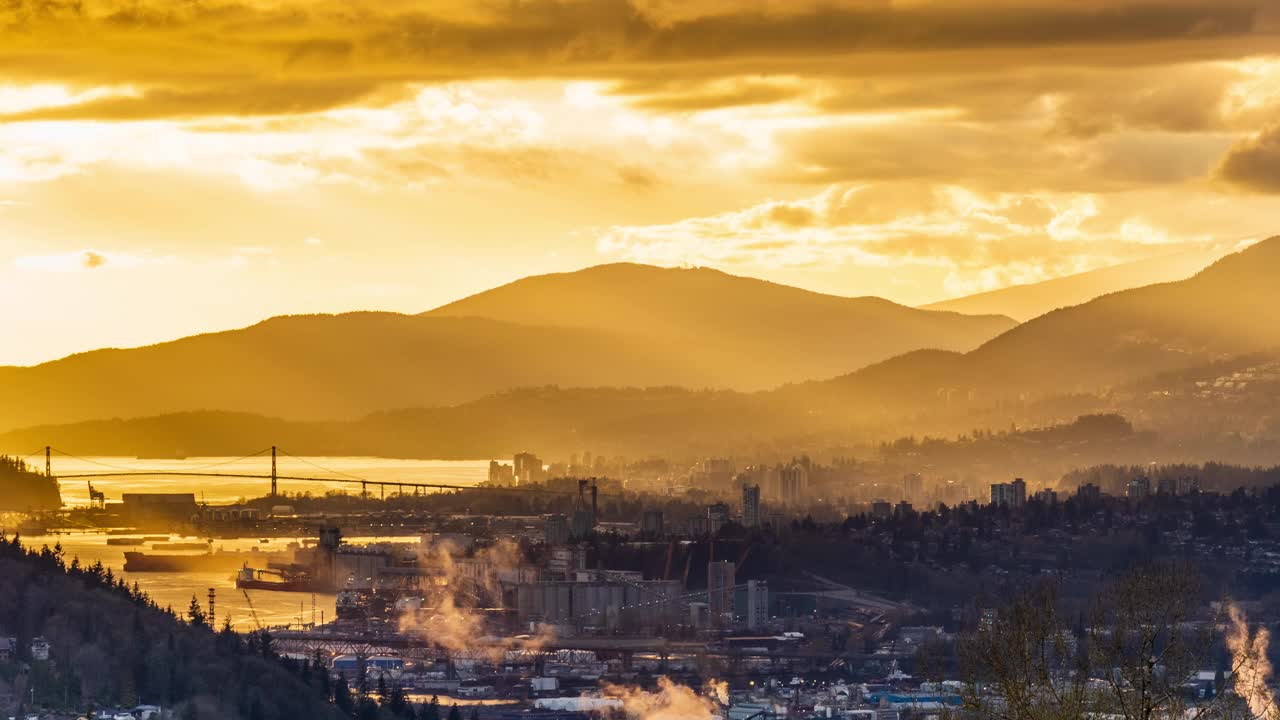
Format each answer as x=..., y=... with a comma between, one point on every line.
x=639, y=359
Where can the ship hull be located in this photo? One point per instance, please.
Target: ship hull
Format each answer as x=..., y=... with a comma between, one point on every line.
x=210, y=562
x=303, y=586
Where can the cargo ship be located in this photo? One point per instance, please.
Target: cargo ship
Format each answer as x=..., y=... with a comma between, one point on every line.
x=289, y=580
x=33, y=526
x=179, y=546
x=218, y=561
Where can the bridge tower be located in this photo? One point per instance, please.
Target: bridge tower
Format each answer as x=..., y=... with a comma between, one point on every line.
x=273, y=471
x=48, y=461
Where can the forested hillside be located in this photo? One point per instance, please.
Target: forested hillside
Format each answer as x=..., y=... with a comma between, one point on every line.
x=22, y=489
x=111, y=646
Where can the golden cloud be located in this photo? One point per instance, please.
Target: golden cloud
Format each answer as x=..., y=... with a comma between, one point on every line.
x=1254, y=163
x=982, y=240
x=242, y=57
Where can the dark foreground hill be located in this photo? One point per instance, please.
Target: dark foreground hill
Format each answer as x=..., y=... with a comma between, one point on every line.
x=110, y=646
x=22, y=489
x=609, y=326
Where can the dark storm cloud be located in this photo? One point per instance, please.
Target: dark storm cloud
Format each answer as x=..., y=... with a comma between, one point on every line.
x=194, y=58
x=1254, y=164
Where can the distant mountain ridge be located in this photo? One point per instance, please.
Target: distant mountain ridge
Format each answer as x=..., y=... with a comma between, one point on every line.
x=1024, y=302
x=756, y=334
x=1146, y=353
x=1222, y=311
x=617, y=325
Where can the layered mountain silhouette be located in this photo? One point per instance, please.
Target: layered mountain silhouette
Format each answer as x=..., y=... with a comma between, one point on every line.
x=1024, y=302
x=1147, y=338
x=1222, y=311
x=614, y=325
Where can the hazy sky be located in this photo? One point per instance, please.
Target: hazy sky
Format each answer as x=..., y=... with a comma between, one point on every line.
x=173, y=166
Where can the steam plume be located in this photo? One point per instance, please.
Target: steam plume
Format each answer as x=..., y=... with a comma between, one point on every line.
x=1252, y=669
x=455, y=623
x=672, y=701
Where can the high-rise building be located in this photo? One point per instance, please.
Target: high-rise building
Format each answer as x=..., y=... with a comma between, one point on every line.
x=720, y=590
x=717, y=517
x=751, y=506
x=527, y=468
x=1180, y=485
x=1139, y=488
x=1048, y=496
x=757, y=604
x=651, y=522
x=912, y=487
x=1010, y=494
x=881, y=509
x=1089, y=492
x=556, y=530
x=501, y=474
x=793, y=483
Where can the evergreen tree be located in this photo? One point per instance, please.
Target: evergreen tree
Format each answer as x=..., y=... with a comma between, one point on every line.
x=455, y=713
x=342, y=696
x=195, y=613
x=362, y=677
x=396, y=702
x=264, y=645
x=367, y=709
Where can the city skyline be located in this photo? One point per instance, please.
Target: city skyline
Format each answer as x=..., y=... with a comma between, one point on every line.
x=157, y=181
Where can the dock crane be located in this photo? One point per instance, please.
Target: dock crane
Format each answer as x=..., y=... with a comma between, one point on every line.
x=97, y=498
x=252, y=610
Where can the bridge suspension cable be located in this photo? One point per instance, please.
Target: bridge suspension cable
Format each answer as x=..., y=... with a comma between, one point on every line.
x=296, y=478
x=322, y=468
x=207, y=470
x=126, y=468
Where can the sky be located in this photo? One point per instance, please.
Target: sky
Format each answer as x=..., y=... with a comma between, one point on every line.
x=178, y=166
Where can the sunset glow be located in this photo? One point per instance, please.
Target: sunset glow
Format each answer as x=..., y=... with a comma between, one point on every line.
x=167, y=168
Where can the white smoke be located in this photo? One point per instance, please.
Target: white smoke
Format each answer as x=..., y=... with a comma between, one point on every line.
x=1251, y=669
x=672, y=701
x=456, y=623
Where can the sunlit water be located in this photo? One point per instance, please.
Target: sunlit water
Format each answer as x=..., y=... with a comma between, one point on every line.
x=177, y=589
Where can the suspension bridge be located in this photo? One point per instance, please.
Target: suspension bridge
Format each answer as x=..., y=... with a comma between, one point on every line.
x=219, y=470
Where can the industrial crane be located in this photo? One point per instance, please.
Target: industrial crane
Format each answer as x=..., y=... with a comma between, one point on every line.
x=252, y=610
